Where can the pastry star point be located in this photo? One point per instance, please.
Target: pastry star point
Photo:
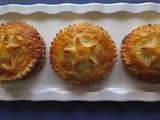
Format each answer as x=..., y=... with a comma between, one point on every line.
x=153, y=51
x=81, y=53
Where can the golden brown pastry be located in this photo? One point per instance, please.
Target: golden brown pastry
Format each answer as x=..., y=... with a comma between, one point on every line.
x=82, y=53
x=141, y=53
x=21, y=50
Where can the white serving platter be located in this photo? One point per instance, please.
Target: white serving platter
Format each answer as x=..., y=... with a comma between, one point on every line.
x=119, y=19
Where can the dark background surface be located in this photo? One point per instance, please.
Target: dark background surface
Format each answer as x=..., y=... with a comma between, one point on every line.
x=72, y=1
x=78, y=110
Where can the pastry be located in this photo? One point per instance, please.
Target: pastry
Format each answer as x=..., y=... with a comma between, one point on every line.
x=82, y=53
x=141, y=53
x=21, y=50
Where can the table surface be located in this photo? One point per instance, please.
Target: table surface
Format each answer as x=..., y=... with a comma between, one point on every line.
x=23, y=110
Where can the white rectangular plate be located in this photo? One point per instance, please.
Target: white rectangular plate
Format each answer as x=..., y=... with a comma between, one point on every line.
x=119, y=19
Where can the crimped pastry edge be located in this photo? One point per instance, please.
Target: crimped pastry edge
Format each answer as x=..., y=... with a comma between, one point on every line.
x=86, y=82
x=33, y=68
x=143, y=78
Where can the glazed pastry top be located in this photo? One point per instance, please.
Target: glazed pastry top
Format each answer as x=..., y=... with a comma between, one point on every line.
x=83, y=50
x=19, y=49
x=144, y=45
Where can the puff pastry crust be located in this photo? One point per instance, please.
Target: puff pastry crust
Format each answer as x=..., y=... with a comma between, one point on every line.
x=82, y=53
x=141, y=53
x=21, y=50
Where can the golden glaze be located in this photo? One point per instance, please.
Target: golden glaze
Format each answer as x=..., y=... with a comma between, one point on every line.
x=82, y=53
x=141, y=52
x=21, y=48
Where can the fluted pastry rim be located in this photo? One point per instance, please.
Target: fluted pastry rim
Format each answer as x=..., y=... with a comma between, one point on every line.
x=91, y=80
x=144, y=73
x=39, y=49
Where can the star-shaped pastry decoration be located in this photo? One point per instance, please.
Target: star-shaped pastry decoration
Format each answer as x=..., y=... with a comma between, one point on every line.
x=12, y=45
x=153, y=51
x=6, y=49
x=81, y=52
